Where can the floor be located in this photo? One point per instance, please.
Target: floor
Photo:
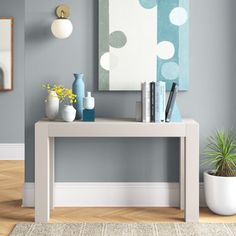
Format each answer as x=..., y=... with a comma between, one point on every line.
x=11, y=182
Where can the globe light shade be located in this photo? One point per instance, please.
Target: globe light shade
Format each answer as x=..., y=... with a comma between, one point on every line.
x=62, y=28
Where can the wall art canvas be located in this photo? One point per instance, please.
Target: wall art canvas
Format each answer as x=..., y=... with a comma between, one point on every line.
x=143, y=40
x=6, y=54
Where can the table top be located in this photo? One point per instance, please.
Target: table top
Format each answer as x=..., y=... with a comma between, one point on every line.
x=114, y=127
x=112, y=121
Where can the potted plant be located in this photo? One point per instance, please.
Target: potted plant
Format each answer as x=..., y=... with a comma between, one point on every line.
x=220, y=183
x=68, y=111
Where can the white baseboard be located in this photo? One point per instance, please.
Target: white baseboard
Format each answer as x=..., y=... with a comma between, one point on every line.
x=12, y=151
x=112, y=195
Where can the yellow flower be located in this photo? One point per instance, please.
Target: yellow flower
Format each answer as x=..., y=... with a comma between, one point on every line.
x=63, y=93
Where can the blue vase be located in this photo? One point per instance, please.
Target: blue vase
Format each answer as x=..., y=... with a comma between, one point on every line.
x=79, y=89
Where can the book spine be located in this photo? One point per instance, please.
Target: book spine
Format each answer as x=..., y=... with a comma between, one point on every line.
x=169, y=100
x=145, y=102
x=172, y=103
x=152, y=100
x=160, y=101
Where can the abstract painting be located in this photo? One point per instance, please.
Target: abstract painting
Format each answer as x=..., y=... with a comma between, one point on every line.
x=143, y=40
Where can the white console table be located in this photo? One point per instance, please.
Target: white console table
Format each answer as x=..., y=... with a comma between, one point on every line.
x=46, y=131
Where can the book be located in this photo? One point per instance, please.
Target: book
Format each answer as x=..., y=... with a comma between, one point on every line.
x=171, y=102
x=152, y=101
x=160, y=101
x=146, y=102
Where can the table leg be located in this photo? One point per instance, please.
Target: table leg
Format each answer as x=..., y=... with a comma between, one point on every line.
x=52, y=172
x=181, y=171
x=192, y=173
x=42, y=186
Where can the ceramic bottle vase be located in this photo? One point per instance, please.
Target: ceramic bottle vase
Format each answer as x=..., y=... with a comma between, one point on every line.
x=79, y=89
x=89, y=101
x=52, y=105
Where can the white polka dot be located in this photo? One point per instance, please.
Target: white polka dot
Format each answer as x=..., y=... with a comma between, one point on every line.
x=165, y=50
x=178, y=16
x=108, y=61
x=105, y=61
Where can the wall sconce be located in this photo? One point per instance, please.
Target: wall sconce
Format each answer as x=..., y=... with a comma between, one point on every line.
x=62, y=27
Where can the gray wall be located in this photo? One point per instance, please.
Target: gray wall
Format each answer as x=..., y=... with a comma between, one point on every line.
x=12, y=103
x=209, y=100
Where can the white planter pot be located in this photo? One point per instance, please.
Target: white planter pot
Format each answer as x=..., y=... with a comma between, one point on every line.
x=220, y=194
x=52, y=105
x=68, y=113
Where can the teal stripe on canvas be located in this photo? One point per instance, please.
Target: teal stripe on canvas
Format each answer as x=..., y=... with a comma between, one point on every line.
x=184, y=49
x=178, y=36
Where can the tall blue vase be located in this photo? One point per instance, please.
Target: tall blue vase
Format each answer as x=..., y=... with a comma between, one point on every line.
x=79, y=89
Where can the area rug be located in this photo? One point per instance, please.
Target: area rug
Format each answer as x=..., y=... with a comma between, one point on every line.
x=112, y=229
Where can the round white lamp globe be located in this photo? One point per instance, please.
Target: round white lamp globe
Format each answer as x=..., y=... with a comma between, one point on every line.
x=62, y=28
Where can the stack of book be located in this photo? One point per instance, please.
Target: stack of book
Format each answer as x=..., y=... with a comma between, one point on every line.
x=154, y=107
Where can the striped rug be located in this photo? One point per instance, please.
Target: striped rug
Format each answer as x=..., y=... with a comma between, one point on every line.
x=133, y=229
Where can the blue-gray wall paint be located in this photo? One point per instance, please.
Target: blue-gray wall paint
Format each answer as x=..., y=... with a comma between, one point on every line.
x=210, y=99
x=12, y=103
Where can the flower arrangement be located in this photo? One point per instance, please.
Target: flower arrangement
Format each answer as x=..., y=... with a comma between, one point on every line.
x=58, y=89
x=64, y=94
x=68, y=96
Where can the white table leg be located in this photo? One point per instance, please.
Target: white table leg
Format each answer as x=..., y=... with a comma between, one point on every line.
x=192, y=173
x=52, y=172
x=42, y=188
x=181, y=172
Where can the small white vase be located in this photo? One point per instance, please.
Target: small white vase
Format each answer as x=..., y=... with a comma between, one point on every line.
x=220, y=194
x=68, y=113
x=52, y=105
x=89, y=101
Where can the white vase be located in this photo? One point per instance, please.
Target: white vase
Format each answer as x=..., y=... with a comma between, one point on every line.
x=89, y=101
x=68, y=113
x=220, y=194
x=52, y=105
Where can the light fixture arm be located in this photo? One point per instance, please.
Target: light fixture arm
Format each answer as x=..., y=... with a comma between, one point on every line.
x=62, y=14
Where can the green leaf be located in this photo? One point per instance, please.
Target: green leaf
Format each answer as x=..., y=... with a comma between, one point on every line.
x=220, y=153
